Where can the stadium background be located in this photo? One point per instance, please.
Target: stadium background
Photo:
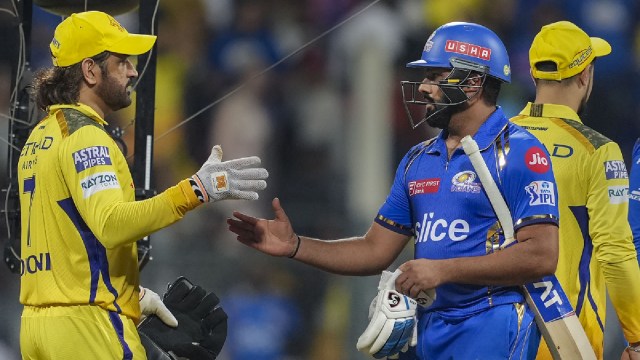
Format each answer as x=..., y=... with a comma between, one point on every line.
x=330, y=127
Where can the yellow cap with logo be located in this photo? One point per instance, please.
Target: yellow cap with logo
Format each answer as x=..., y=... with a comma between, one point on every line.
x=86, y=34
x=566, y=45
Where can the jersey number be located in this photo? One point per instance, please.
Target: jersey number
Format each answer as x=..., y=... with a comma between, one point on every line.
x=29, y=186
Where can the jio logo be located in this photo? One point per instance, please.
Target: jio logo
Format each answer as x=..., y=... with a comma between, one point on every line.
x=536, y=160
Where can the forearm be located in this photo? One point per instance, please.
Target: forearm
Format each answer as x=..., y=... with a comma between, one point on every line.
x=127, y=222
x=623, y=287
x=516, y=265
x=351, y=256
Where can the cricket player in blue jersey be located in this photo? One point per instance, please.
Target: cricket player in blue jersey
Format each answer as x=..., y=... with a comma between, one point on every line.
x=437, y=200
x=634, y=197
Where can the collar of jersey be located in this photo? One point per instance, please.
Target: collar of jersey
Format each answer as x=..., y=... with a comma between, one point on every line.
x=85, y=109
x=553, y=111
x=485, y=136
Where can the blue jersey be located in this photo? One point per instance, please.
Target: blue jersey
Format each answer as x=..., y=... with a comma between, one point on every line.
x=634, y=197
x=441, y=203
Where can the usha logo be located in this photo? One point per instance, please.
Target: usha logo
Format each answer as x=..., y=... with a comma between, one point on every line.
x=468, y=49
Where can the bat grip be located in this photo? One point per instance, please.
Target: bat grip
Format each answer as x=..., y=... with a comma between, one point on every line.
x=493, y=193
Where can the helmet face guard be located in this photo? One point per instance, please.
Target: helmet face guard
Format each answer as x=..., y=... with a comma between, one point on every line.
x=451, y=87
x=470, y=51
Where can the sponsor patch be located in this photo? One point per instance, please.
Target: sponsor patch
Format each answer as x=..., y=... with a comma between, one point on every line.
x=618, y=194
x=426, y=186
x=434, y=228
x=220, y=181
x=98, y=182
x=541, y=193
x=92, y=156
x=464, y=48
x=615, y=169
x=464, y=181
x=635, y=195
x=536, y=160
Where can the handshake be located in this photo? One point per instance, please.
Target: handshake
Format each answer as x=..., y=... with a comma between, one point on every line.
x=392, y=319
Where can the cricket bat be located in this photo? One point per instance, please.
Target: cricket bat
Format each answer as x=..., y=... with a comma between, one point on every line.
x=554, y=314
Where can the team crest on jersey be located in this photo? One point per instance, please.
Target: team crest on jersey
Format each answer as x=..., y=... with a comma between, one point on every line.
x=426, y=186
x=92, y=156
x=615, y=169
x=541, y=193
x=97, y=182
x=465, y=181
x=618, y=194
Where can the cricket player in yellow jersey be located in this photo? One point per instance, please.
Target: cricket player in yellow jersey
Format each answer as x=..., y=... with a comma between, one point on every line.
x=80, y=221
x=597, y=254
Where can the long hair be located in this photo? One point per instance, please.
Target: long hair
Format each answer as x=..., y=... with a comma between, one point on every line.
x=61, y=85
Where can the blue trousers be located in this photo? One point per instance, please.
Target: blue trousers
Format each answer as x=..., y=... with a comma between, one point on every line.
x=501, y=332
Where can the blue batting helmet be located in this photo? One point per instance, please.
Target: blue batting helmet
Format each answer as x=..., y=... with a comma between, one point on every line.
x=473, y=45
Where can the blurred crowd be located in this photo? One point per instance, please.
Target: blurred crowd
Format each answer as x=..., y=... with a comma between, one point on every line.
x=328, y=123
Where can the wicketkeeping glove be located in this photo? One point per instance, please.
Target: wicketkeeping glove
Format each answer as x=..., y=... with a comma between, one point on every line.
x=232, y=179
x=393, y=322
x=202, y=323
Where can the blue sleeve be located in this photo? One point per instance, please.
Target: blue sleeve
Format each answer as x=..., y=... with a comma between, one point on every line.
x=395, y=213
x=528, y=183
x=634, y=197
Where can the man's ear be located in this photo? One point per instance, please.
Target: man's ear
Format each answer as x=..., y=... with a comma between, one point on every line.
x=585, y=75
x=90, y=71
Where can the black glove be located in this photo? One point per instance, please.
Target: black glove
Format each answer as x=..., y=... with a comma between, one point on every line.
x=202, y=323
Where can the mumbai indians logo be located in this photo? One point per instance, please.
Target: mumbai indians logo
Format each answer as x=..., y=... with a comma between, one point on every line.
x=429, y=44
x=464, y=181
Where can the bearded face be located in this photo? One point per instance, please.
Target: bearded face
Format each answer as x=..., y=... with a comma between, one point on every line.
x=114, y=94
x=439, y=116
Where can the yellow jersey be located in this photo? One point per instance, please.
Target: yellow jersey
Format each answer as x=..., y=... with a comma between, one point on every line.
x=596, y=246
x=79, y=217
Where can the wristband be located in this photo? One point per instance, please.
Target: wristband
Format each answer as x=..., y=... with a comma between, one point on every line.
x=198, y=189
x=634, y=348
x=295, y=251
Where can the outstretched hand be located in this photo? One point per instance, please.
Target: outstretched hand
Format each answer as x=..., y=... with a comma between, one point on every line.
x=274, y=237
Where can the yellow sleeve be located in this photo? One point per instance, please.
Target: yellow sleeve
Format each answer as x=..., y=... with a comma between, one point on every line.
x=102, y=189
x=608, y=207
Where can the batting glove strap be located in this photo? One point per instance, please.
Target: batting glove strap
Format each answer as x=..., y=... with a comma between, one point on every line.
x=234, y=179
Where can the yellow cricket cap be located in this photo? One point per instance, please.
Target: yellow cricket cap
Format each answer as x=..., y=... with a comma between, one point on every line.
x=568, y=46
x=89, y=33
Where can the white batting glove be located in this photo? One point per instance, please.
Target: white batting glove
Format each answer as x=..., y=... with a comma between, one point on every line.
x=392, y=317
x=233, y=179
x=151, y=304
